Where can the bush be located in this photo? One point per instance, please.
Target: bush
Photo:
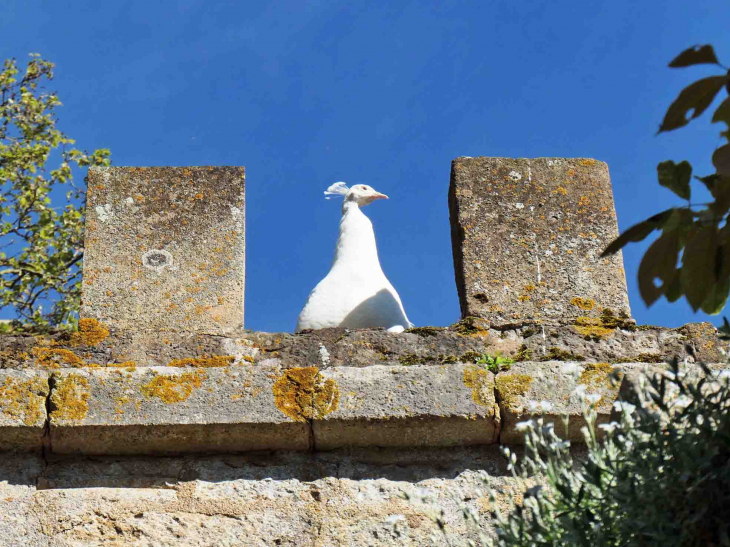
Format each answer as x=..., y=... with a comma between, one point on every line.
x=660, y=477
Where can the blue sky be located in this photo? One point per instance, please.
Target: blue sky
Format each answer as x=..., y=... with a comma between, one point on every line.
x=306, y=93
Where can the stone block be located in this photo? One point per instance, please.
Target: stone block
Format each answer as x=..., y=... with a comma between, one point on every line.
x=548, y=382
x=527, y=235
x=163, y=410
x=23, y=396
x=448, y=405
x=164, y=248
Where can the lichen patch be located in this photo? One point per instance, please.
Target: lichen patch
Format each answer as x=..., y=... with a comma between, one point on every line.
x=171, y=388
x=302, y=394
x=512, y=386
x=70, y=398
x=477, y=379
x=90, y=333
x=24, y=399
x=214, y=361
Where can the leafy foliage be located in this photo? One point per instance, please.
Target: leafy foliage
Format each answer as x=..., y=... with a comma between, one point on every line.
x=42, y=245
x=495, y=363
x=661, y=477
x=698, y=235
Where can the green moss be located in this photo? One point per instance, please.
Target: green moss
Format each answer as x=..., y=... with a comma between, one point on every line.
x=411, y=359
x=425, y=331
x=609, y=320
x=523, y=354
x=592, y=328
x=470, y=357
x=471, y=326
x=557, y=354
x=643, y=358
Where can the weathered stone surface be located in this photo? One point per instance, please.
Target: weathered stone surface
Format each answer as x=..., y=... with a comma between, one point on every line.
x=22, y=409
x=160, y=410
x=547, y=382
x=290, y=499
x=164, y=248
x=526, y=237
x=611, y=340
x=448, y=405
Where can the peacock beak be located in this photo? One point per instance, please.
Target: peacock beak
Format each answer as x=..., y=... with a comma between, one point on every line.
x=378, y=195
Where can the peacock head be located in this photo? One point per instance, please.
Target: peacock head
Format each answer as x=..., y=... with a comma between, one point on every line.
x=362, y=194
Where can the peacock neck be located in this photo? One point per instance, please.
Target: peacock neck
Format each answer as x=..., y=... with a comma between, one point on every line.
x=356, y=243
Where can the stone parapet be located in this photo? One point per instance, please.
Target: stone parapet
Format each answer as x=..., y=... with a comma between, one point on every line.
x=160, y=410
x=23, y=418
x=164, y=249
x=605, y=339
x=527, y=235
x=239, y=406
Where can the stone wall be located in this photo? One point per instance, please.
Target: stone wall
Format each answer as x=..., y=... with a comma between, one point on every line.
x=163, y=422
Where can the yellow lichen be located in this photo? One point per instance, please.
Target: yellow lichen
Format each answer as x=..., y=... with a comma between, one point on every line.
x=596, y=376
x=477, y=379
x=90, y=333
x=24, y=399
x=173, y=388
x=301, y=394
x=70, y=397
x=203, y=362
x=592, y=328
x=584, y=303
x=49, y=357
x=511, y=386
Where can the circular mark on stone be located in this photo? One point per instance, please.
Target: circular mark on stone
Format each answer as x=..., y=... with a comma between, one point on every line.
x=157, y=259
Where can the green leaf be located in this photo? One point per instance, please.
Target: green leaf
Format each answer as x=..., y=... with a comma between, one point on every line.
x=694, y=99
x=674, y=291
x=722, y=114
x=659, y=261
x=696, y=55
x=637, y=232
x=676, y=177
x=699, y=262
x=721, y=160
x=715, y=301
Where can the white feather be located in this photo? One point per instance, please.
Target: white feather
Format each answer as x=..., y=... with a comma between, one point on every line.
x=337, y=189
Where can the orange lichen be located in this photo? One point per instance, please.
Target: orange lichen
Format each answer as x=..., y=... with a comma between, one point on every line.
x=477, y=379
x=173, y=388
x=24, y=399
x=301, y=394
x=49, y=357
x=584, y=303
x=203, y=362
x=90, y=333
x=70, y=397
